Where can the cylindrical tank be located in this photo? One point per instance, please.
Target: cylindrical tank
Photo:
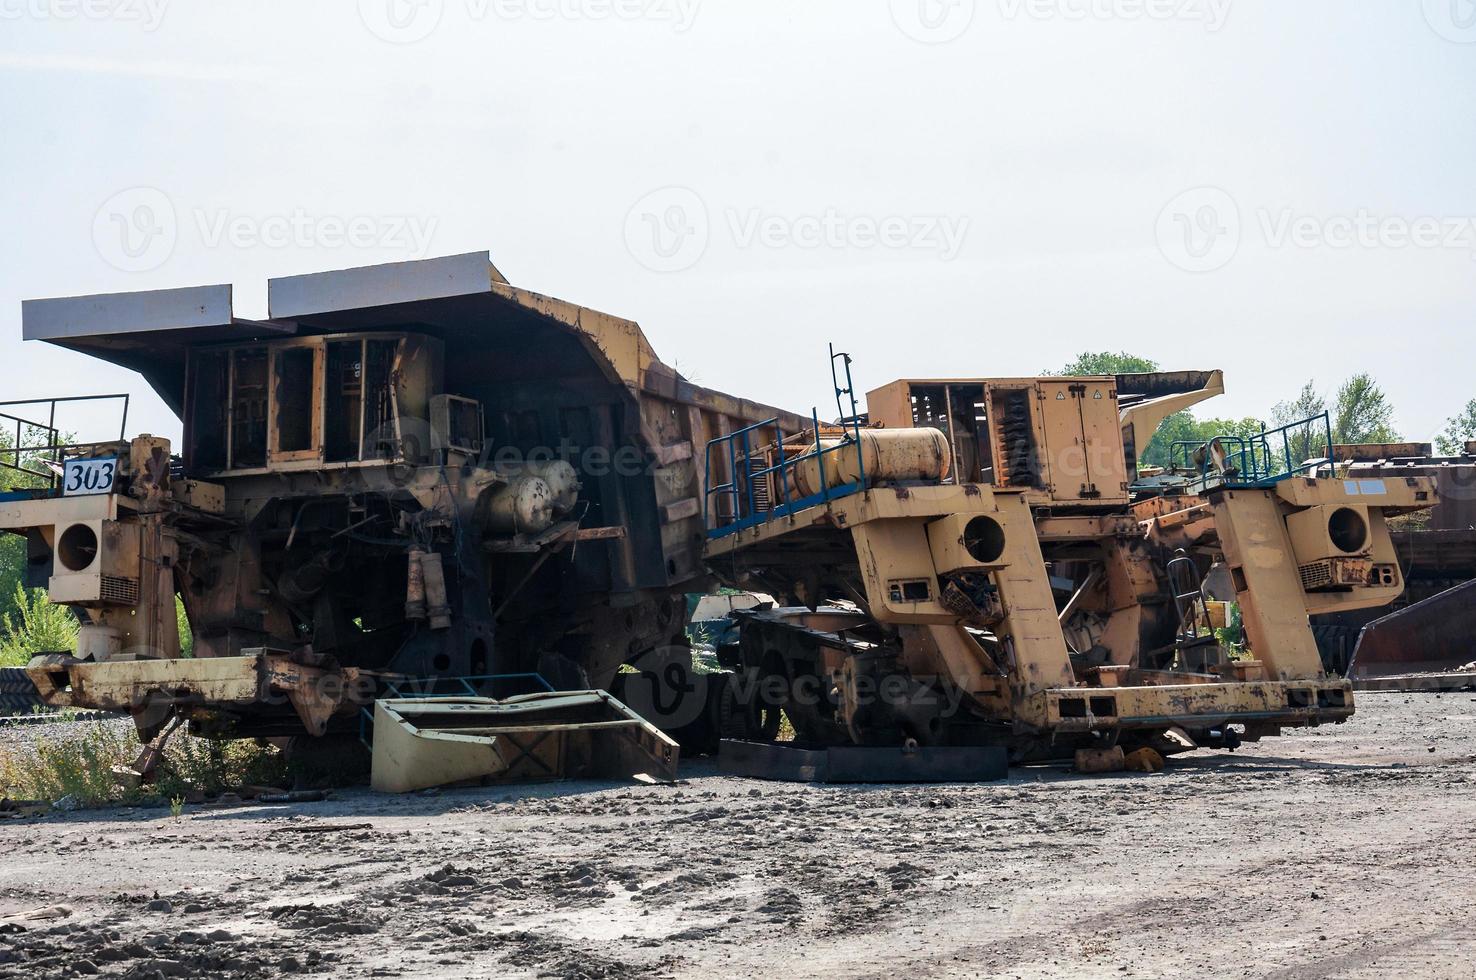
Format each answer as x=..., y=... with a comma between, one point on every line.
x=562, y=480
x=524, y=506
x=888, y=454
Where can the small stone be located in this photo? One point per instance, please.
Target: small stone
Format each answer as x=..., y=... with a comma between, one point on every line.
x=290, y=964
x=86, y=967
x=160, y=905
x=220, y=936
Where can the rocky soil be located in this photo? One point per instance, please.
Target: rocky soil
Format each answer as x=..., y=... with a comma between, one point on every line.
x=1338, y=852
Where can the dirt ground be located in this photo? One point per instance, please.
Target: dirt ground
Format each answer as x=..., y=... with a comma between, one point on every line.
x=1339, y=852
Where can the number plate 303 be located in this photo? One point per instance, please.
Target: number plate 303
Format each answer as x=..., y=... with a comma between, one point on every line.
x=85, y=476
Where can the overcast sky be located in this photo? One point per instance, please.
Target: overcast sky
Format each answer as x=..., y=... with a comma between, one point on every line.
x=1283, y=190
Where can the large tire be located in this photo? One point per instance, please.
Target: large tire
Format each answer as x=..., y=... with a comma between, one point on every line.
x=18, y=695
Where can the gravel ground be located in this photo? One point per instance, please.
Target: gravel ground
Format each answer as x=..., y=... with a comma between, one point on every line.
x=1338, y=852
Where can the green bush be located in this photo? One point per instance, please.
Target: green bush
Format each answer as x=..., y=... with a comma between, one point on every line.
x=36, y=625
x=78, y=761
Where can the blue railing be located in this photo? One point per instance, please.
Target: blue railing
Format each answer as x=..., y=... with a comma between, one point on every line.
x=747, y=504
x=1253, y=462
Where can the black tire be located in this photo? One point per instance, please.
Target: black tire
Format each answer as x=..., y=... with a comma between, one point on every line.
x=18, y=695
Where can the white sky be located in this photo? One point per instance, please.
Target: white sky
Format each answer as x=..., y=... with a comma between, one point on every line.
x=1046, y=137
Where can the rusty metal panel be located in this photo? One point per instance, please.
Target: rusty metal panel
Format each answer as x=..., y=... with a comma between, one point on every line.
x=1436, y=635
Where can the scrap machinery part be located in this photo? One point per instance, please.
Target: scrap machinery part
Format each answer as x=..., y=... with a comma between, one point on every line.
x=416, y=470
x=1021, y=597
x=425, y=742
x=1430, y=645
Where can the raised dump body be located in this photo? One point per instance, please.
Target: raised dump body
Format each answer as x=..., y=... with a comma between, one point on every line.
x=1039, y=595
x=407, y=471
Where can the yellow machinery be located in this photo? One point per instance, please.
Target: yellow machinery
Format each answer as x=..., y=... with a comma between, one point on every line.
x=981, y=564
x=409, y=473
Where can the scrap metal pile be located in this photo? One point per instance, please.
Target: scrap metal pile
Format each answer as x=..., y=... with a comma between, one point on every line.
x=418, y=480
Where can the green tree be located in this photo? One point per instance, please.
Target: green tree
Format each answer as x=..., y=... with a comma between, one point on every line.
x=1362, y=413
x=1184, y=427
x=1106, y=362
x=1302, y=442
x=1458, y=431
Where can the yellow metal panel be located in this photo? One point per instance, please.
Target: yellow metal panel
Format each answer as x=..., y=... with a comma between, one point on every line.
x=1039, y=650
x=1267, y=582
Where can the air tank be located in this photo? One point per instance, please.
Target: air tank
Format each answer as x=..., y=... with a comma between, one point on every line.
x=523, y=506
x=889, y=455
x=562, y=480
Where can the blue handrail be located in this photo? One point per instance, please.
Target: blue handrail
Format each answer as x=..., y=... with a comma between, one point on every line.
x=1251, y=462
x=747, y=510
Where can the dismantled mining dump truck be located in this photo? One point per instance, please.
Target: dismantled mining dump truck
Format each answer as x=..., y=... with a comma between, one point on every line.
x=980, y=561
x=407, y=473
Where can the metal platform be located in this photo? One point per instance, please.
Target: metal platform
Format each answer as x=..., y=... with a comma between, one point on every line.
x=854, y=764
x=1426, y=683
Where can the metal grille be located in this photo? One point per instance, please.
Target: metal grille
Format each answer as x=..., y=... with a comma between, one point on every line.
x=116, y=588
x=1316, y=575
